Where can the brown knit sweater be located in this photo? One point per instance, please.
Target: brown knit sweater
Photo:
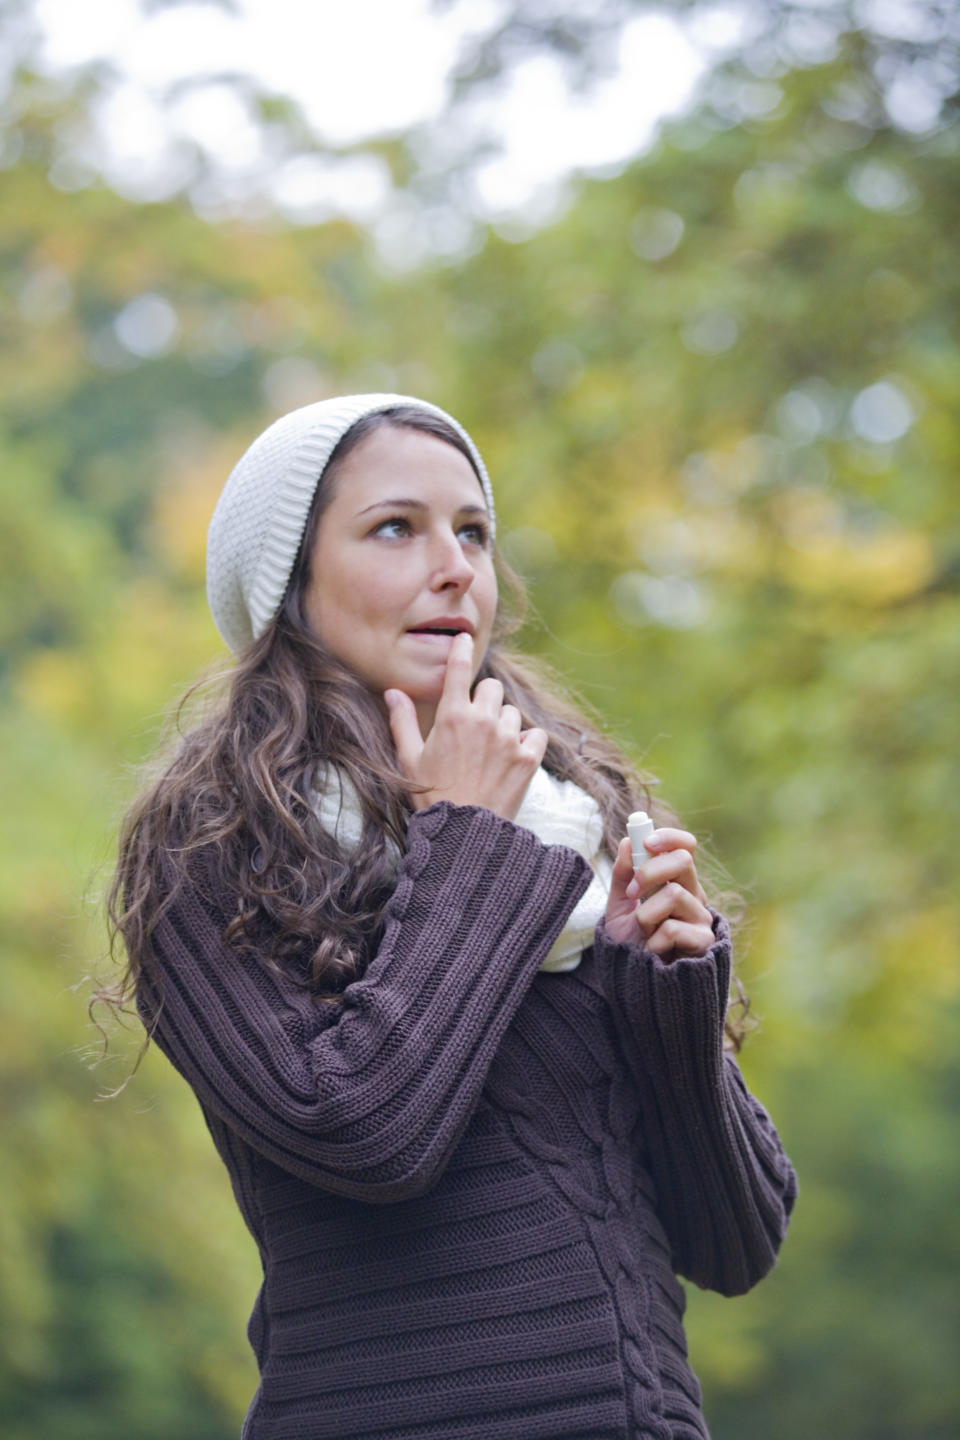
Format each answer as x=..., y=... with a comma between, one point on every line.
x=471, y=1184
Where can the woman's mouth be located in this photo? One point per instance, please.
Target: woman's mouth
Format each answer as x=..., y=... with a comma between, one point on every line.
x=442, y=629
x=434, y=637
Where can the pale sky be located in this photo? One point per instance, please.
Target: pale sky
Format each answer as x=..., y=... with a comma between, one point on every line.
x=359, y=69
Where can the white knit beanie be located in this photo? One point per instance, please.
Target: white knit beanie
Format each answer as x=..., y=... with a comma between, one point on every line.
x=258, y=524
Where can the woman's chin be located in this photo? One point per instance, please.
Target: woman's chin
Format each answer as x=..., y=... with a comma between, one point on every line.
x=423, y=688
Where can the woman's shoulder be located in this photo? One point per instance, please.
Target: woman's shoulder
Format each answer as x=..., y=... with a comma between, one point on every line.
x=187, y=873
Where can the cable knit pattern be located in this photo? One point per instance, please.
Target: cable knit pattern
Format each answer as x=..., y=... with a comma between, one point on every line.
x=471, y=1183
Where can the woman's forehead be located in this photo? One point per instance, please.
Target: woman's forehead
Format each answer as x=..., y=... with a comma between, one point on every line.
x=406, y=463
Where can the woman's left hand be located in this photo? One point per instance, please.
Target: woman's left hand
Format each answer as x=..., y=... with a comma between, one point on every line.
x=662, y=906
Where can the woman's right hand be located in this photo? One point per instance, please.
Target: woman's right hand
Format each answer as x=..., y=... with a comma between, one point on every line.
x=476, y=753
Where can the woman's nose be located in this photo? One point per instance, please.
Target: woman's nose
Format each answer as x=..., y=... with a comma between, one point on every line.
x=450, y=566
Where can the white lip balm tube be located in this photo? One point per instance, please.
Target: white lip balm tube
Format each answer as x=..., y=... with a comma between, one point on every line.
x=640, y=827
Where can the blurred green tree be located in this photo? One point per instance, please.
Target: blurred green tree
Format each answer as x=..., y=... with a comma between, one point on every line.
x=718, y=399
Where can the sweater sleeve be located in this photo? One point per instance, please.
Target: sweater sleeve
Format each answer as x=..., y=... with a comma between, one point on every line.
x=369, y=1096
x=725, y=1187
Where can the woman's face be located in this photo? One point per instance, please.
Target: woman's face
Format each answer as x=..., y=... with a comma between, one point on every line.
x=402, y=552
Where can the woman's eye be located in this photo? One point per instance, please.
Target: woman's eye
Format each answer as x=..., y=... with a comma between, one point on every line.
x=393, y=527
x=476, y=531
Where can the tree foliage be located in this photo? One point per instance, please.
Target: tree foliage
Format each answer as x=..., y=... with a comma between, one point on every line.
x=717, y=397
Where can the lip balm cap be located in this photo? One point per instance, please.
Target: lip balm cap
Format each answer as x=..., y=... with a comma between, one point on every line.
x=639, y=827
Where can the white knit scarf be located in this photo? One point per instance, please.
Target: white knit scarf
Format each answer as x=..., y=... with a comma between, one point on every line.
x=557, y=811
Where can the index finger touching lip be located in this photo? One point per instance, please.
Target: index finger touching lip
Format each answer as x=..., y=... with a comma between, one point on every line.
x=459, y=671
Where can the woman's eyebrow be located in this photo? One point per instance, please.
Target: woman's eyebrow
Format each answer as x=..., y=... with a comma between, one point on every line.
x=405, y=504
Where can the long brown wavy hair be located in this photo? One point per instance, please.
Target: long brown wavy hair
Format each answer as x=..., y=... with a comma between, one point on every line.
x=239, y=787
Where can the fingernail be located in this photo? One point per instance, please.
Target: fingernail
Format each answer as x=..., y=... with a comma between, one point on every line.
x=391, y=697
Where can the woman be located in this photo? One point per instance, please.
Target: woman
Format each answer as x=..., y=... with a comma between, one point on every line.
x=466, y=1068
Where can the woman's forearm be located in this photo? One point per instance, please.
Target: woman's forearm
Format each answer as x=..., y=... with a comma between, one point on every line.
x=367, y=1097
x=725, y=1187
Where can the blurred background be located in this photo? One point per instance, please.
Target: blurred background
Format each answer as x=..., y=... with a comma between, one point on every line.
x=690, y=275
